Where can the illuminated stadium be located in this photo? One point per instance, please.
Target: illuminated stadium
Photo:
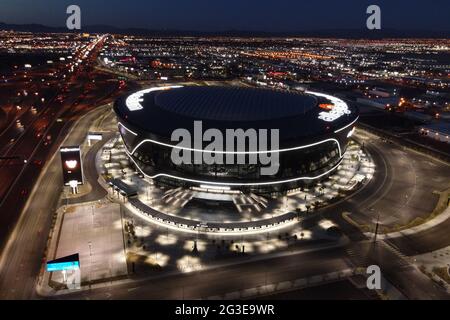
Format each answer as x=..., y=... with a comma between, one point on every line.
x=313, y=133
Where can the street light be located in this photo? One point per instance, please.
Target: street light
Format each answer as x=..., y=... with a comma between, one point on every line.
x=90, y=261
x=377, y=224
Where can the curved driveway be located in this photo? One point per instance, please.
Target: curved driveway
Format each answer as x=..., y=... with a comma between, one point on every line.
x=402, y=189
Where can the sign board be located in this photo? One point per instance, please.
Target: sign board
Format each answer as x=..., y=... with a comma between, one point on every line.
x=71, y=262
x=71, y=165
x=95, y=136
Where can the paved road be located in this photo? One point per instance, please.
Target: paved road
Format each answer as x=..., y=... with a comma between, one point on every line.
x=91, y=174
x=21, y=260
x=424, y=241
x=401, y=190
x=403, y=185
x=225, y=280
x=406, y=278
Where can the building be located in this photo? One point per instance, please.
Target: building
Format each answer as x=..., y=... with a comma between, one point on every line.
x=313, y=130
x=380, y=103
x=439, y=131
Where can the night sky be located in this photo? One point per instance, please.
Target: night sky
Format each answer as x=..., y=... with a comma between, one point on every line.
x=243, y=15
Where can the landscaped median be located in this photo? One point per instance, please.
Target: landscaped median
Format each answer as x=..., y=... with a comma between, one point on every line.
x=443, y=273
x=415, y=225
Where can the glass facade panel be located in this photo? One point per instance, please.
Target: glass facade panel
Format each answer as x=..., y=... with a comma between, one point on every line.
x=308, y=162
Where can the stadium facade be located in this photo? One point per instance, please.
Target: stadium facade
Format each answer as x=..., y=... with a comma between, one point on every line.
x=314, y=130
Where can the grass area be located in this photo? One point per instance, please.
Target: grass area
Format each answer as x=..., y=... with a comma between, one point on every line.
x=440, y=207
x=362, y=227
x=442, y=272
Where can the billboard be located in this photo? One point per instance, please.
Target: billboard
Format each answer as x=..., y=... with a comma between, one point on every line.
x=71, y=262
x=71, y=165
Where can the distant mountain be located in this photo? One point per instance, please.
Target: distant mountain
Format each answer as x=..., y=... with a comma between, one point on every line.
x=335, y=33
x=33, y=27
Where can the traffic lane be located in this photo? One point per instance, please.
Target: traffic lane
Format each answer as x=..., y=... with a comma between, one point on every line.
x=339, y=290
x=29, y=141
x=43, y=92
x=384, y=193
x=91, y=175
x=27, y=119
x=24, y=148
x=432, y=239
x=405, y=277
x=22, y=184
x=23, y=93
x=407, y=190
x=223, y=280
x=18, y=276
x=415, y=178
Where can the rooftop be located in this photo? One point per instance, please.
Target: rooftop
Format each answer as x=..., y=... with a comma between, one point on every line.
x=231, y=103
x=158, y=111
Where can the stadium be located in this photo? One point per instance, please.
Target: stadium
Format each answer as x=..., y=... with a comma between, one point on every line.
x=313, y=132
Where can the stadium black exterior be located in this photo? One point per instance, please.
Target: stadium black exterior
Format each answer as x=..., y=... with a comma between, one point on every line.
x=311, y=143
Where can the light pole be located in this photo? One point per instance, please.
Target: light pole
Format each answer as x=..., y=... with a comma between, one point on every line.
x=265, y=279
x=67, y=199
x=376, y=228
x=90, y=261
